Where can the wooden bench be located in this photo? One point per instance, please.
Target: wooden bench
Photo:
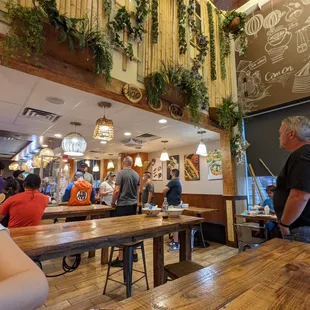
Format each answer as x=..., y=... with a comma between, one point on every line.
x=181, y=269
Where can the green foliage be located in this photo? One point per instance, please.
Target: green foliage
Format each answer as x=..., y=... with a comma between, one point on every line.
x=230, y=112
x=212, y=42
x=155, y=21
x=26, y=36
x=182, y=32
x=155, y=86
x=107, y=4
x=172, y=72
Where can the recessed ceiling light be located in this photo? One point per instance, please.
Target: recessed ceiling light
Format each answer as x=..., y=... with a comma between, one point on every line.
x=127, y=133
x=58, y=135
x=103, y=142
x=162, y=121
x=55, y=100
x=44, y=145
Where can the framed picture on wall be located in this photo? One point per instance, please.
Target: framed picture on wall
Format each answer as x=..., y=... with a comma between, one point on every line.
x=214, y=164
x=191, y=167
x=157, y=170
x=172, y=163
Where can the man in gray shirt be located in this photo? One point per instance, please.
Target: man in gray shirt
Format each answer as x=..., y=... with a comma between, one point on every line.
x=148, y=189
x=126, y=194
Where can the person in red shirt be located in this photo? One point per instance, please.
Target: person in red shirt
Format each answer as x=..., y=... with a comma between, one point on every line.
x=27, y=208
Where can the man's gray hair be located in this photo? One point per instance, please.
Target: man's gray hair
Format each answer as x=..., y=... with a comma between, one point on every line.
x=128, y=161
x=78, y=174
x=300, y=124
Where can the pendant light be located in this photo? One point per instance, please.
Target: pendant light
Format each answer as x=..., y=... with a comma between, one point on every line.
x=110, y=163
x=104, y=129
x=202, y=148
x=138, y=161
x=73, y=144
x=95, y=167
x=164, y=155
x=13, y=166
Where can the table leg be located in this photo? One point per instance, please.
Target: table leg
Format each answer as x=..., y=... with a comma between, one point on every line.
x=262, y=231
x=91, y=253
x=206, y=243
x=158, y=261
x=185, y=245
x=104, y=256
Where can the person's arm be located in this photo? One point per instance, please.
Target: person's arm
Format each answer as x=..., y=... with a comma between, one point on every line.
x=93, y=195
x=104, y=191
x=115, y=194
x=150, y=193
x=66, y=196
x=167, y=188
x=22, y=284
x=92, y=180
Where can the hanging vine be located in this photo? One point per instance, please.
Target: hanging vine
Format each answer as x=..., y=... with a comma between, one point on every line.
x=107, y=4
x=182, y=32
x=141, y=14
x=155, y=31
x=223, y=48
x=212, y=42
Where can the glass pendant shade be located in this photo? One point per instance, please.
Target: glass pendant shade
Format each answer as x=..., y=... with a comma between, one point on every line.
x=164, y=155
x=202, y=149
x=96, y=168
x=13, y=166
x=47, y=152
x=104, y=129
x=36, y=162
x=138, y=161
x=110, y=164
x=74, y=144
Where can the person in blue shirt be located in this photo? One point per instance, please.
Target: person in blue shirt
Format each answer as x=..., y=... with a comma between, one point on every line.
x=270, y=189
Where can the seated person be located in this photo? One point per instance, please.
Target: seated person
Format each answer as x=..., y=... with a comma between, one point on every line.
x=10, y=188
x=270, y=189
x=26, y=208
x=22, y=284
x=79, y=193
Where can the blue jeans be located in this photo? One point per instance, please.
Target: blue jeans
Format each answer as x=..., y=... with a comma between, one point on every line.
x=270, y=225
x=301, y=234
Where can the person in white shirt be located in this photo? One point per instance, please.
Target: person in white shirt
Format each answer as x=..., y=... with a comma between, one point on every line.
x=22, y=284
x=107, y=188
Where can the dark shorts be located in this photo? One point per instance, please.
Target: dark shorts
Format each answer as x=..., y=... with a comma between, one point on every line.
x=126, y=210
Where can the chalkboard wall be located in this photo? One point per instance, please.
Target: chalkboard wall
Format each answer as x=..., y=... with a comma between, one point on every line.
x=276, y=68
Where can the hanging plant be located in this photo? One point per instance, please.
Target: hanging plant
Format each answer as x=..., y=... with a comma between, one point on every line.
x=182, y=32
x=155, y=86
x=191, y=16
x=141, y=14
x=155, y=21
x=107, y=4
x=212, y=42
x=234, y=23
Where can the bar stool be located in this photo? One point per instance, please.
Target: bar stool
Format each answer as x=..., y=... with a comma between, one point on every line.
x=128, y=249
x=193, y=232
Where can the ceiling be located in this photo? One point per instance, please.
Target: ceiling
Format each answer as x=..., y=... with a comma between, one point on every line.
x=19, y=91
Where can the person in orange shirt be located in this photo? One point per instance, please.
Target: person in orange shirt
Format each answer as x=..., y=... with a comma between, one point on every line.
x=79, y=193
x=27, y=208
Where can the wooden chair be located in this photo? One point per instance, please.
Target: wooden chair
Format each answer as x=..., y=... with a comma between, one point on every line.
x=178, y=270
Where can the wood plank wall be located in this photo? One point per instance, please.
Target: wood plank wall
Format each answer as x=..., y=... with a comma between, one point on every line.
x=167, y=47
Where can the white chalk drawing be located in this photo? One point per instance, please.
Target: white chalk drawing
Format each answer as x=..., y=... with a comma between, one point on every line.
x=305, y=2
x=294, y=11
x=251, y=87
x=243, y=64
x=257, y=63
x=293, y=25
x=306, y=32
x=273, y=19
x=281, y=76
x=277, y=44
x=302, y=80
x=302, y=44
x=254, y=25
x=307, y=20
x=238, y=47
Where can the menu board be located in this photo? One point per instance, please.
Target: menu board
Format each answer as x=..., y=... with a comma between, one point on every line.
x=276, y=67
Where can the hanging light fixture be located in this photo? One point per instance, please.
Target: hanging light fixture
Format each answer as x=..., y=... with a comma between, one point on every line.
x=110, y=163
x=87, y=162
x=13, y=166
x=164, y=155
x=73, y=144
x=138, y=161
x=95, y=167
x=202, y=148
x=104, y=129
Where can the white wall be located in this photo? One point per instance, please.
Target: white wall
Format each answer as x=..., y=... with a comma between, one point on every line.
x=204, y=186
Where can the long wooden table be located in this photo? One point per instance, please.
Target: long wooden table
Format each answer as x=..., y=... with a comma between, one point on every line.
x=198, y=211
x=57, y=240
x=258, y=217
x=275, y=275
x=72, y=211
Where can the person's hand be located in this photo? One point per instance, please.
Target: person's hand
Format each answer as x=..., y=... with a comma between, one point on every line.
x=285, y=230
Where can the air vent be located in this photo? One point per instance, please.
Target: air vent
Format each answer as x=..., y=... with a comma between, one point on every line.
x=132, y=142
x=147, y=137
x=40, y=115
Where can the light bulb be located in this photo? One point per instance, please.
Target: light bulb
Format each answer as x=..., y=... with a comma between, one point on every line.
x=202, y=149
x=138, y=161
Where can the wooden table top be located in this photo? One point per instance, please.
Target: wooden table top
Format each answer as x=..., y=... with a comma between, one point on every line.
x=258, y=217
x=199, y=211
x=275, y=275
x=70, y=211
x=56, y=240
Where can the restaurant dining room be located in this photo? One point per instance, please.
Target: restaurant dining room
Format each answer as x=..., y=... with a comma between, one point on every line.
x=154, y=154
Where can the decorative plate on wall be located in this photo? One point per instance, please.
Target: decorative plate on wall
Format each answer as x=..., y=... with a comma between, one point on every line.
x=156, y=107
x=176, y=111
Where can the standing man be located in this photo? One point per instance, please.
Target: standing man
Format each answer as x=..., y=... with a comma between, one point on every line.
x=173, y=192
x=291, y=197
x=1, y=177
x=19, y=177
x=148, y=189
x=87, y=176
x=126, y=194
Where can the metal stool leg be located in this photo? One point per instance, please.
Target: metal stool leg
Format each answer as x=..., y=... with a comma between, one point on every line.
x=144, y=264
x=193, y=231
x=108, y=272
x=128, y=265
x=202, y=236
